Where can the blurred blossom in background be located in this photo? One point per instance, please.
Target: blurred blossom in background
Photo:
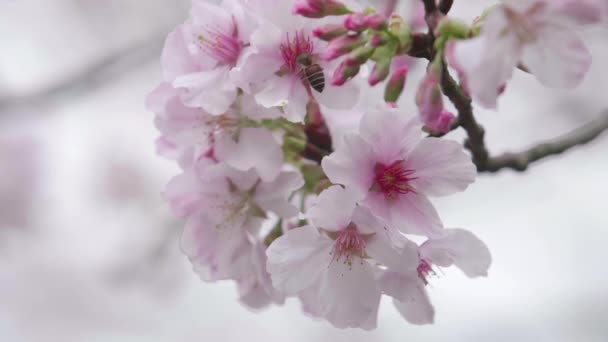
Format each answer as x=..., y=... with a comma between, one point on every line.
x=89, y=252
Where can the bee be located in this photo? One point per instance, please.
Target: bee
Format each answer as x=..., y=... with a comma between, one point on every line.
x=311, y=72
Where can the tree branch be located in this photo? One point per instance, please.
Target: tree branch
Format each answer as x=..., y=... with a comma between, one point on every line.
x=475, y=132
x=521, y=160
x=91, y=76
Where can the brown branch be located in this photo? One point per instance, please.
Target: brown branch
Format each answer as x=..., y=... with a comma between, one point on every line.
x=445, y=6
x=429, y=6
x=475, y=132
x=516, y=161
x=521, y=160
x=90, y=77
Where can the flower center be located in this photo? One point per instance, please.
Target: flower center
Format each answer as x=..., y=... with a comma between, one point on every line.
x=349, y=244
x=225, y=47
x=294, y=47
x=393, y=180
x=425, y=270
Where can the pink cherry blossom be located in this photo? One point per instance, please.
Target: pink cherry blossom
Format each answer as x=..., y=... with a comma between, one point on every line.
x=188, y=133
x=331, y=263
x=255, y=287
x=538, y=33
x=199, y=54
x=272, y=66
x=454, y=247
x=392, y=170
x=226, y=206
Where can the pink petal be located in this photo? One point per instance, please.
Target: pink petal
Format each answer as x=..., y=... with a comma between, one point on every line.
x=215, y=254
x=352, y=165
x=348, y=294
x=403, y=260
x=256, y=149
x=414, y=214
x=391, y=133
x=461, y=248
x=441, y=167
x=409, y=296
x=274, y=196
x=176, y=59
x=296, y=259
x=559, y=57
x=333, y=209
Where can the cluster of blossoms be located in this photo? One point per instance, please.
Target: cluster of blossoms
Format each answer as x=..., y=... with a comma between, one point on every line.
x=292, y=184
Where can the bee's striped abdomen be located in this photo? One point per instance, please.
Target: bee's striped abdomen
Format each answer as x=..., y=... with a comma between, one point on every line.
x=315, y=77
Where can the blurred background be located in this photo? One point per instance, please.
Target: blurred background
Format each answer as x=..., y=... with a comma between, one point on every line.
x=89, y=252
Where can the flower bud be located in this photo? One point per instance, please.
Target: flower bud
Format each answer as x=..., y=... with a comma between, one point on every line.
x=355, y=22
x=376, y=21
x=343, y=73
x=360, y=55
x=380, y=71
x=329, y=31
x=379, y=39
x=401, y=30
x=429, y=98
x=342, y=45
x=443, y=122
x=395, y=85
x=319, y=8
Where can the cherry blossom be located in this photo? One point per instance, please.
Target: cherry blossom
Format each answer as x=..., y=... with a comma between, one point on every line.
x=225, y=206
x=541, y=35
x=273, y=66
x=188, y=133
x=454, y=247
x=255, y=287
x=334, y=259
x=200, y=53
x=392, y=169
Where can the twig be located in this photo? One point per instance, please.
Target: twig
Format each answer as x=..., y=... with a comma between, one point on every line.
x=521, y=160
x=91, y=76
x=475, y=132
x=445, y=6
x=429, y=6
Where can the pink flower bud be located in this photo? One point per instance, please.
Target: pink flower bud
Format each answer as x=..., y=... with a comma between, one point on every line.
x=355, y=22
x=443, y=123
x=329, y=31
x=341, y=46
x=379, y=72
x=343, y=73
x=395, y=85
x=319, y=8
x=375, y=21
x=429, y=98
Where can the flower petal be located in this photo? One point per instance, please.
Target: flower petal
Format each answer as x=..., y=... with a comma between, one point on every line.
x=409, y=296
x=441, y=167
x=256, y=149
x=296, y=259
x=352, y=165
x=414, y=214
x=274, y=196
x=349, y=295
x=559, y=57
x=333, y=209
x=403, y=260
x=461, y=248
x=391, y=133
